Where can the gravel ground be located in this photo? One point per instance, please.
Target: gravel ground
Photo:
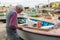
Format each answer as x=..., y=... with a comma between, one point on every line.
x=2, y=31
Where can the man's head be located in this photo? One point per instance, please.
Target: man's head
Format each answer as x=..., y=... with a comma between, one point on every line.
x=19, y=8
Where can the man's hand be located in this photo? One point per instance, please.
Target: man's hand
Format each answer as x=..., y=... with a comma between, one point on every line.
x=20, y=28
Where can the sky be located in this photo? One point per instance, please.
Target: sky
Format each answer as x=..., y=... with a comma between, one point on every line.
x=30, y=3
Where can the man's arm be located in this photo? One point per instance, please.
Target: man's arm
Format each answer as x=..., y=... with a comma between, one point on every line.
x=13, y=19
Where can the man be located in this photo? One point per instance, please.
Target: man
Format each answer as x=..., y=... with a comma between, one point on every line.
x=11, y=22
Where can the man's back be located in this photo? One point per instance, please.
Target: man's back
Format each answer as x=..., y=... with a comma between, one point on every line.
x=9, y=13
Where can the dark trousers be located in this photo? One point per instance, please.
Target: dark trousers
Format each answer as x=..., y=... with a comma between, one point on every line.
x=12, y=34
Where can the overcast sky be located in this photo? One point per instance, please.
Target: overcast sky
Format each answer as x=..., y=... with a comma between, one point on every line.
x=30, y=3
